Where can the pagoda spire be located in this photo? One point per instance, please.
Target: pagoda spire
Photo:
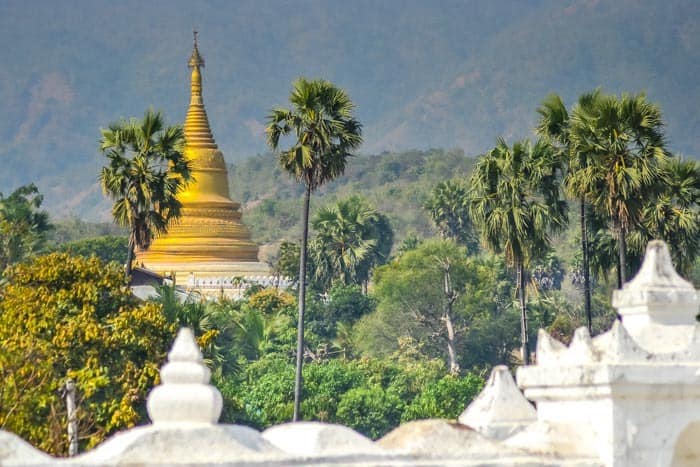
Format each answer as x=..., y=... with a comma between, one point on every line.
x=197, y=131
x=208, y=244
x=196, y=59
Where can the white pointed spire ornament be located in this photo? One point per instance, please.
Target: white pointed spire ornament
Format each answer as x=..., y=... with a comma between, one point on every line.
x=184, y=410
x=657, y=293
x=500, y=410
x=185, y=395
x=658, y=307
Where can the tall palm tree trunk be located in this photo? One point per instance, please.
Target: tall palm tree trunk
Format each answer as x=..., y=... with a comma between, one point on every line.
x=622, y=255
x=130, y=255
x=298, y=382
x=586, y=267
x=525, y=349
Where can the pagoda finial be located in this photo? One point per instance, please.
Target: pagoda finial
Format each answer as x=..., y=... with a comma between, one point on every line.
x=196, y=59
x=197, y=130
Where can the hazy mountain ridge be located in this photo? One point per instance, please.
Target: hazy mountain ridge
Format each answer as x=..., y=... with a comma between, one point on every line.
x=423, y=74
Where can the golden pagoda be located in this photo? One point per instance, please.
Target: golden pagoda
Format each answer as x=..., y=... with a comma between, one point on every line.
x=208, y=246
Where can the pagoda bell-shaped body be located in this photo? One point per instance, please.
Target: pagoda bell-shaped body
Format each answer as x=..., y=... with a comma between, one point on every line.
x=209, y=242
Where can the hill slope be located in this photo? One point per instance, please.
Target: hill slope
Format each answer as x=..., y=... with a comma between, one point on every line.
x=423, y=74
x=396, y=183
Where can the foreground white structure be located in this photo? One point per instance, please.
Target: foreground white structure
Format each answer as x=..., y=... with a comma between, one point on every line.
x=629, y=397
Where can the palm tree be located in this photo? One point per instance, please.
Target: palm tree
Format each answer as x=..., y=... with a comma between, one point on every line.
x=146, y=172
x=449, y=209
x=351, y=238
x=326, y=133
x=515, y=202
x=674, y=215
x=624, y=138
x=554, y=125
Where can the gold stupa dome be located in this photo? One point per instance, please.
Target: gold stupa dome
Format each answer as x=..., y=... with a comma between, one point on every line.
x=209, y=240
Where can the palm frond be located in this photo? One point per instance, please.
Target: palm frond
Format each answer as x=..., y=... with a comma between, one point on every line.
x=145, y=174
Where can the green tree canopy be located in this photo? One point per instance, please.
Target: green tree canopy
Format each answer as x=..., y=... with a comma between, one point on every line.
x=410, y=296
x=416, y=295
x=107, y=248
x=23, y=226
x=369, y=395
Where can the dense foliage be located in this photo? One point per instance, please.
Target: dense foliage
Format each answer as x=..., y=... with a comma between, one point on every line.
x=23, y=226
x=251, y=345
x=372, y=396
x=107, y=248
x=412, y=302
x=70, y=317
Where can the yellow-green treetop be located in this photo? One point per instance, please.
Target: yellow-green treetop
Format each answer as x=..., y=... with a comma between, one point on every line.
x=71, y=317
